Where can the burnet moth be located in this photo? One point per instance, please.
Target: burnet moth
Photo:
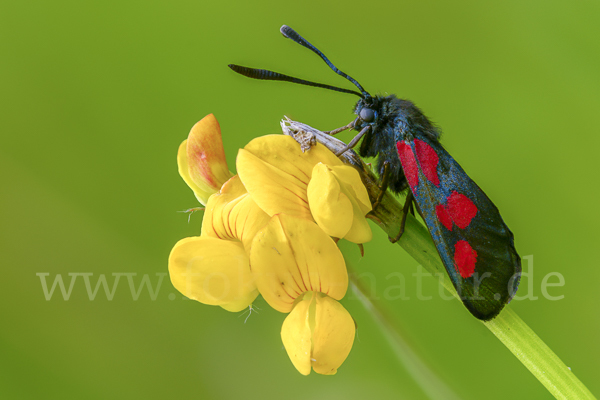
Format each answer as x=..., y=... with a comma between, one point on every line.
x=474, y=243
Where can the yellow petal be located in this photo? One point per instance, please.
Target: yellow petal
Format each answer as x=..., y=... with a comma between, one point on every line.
x=182, y=165
x=215, y=223
x=318, y=333
x=212, y=271
x=360, y=231
x=206, y=164
x=351, y=185
x=296, y=335
x=276, y=173
x=232, y=214
x=292, y=255
x=349, y=178
x=333, y=336
x=272, y=189
x=339, y=201
x=331, y=209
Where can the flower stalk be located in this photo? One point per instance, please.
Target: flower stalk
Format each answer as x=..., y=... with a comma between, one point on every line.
x=508, y=327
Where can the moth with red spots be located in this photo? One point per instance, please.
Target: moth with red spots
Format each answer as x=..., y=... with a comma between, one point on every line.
x=474, y=243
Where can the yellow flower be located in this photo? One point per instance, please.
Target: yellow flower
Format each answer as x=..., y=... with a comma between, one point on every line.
x=269, y=229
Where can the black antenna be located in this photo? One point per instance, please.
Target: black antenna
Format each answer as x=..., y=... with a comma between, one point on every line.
x=276, y=76
x=292, y=34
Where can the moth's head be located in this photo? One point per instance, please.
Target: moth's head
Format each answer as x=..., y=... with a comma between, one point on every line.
x=368, y=111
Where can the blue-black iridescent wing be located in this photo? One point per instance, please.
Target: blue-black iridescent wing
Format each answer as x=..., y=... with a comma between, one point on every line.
x=472, y=240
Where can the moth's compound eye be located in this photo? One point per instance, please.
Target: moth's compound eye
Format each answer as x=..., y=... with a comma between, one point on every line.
x=367, y=114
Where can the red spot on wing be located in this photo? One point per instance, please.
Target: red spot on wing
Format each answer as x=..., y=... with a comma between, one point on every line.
x=461, y=209
x=465, y=258
x=409, y=164
x=458, y=209
x=443, y=216
x=428, y=159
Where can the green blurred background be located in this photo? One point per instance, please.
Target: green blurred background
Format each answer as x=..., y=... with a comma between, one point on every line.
x=97, y=96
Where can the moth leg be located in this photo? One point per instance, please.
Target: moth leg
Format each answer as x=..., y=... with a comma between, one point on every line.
x=385, y=179
x=408, y=204
x=343, y=128
x=354, y=141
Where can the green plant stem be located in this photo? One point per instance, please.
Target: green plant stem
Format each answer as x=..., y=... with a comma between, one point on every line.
x=508, y=327
x=539, y=359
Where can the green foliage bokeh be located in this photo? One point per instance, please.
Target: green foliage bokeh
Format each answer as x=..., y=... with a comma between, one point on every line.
x=97, y=96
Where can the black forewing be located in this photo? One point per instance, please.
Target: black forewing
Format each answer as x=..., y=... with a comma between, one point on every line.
x=498, y=266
